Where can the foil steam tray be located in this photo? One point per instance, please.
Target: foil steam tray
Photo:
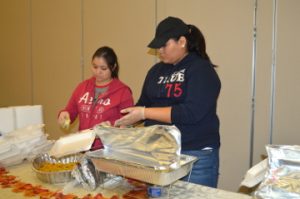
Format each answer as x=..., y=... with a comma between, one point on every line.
x=55, y=177
x=143, y=173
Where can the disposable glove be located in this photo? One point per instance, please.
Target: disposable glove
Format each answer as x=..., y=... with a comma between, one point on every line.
x=64, y=120
x=133, y=115
x=106, y=124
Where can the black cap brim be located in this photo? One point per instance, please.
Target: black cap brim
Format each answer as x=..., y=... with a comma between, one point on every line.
x=157, y=43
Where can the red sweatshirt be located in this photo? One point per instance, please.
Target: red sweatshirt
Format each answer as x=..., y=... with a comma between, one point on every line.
x=107, y=107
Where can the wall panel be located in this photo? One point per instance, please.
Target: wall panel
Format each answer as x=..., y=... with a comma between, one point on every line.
x=15, y=69
x=127, y=27
x=263, y=79
x=287, y=106
x=287, y=103
x=56, y=56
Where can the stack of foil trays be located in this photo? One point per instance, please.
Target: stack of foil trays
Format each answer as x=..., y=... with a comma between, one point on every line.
x=149, y=154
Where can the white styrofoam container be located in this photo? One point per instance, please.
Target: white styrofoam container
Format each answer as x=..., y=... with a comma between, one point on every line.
x=7, y=121
x=73, y=143
x=255, y=174
x=28, y=115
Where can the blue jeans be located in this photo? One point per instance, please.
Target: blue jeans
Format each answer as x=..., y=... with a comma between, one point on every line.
x=206, y=170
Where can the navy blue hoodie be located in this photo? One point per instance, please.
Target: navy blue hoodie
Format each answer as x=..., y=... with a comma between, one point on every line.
x=191, y=88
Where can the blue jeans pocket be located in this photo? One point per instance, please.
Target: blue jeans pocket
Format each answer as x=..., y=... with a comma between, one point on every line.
x=206, y=170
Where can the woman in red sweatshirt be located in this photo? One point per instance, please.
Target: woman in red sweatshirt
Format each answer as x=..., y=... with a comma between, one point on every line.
x=101, y=97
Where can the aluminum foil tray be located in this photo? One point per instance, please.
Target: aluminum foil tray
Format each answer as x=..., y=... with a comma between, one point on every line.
x=143, y=173
x=57, y=176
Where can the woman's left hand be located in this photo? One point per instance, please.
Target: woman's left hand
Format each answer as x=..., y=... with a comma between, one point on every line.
x=133, y=115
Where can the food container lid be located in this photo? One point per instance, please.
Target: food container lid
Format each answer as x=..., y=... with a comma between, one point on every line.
x=74, y=143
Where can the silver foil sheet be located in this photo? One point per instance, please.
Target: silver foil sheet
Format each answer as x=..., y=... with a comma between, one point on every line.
x=86, y=174
x=282, y=179
x=155, y=146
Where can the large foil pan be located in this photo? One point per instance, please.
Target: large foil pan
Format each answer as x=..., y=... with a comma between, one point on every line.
x=141, y=172
x=157, y=146
x=57, y=176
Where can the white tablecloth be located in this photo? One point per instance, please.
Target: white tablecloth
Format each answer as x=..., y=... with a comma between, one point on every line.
x=179, y=190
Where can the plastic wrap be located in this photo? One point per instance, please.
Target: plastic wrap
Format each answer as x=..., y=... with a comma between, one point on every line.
x=282, y=179
x=157, y=146
x=23, y=143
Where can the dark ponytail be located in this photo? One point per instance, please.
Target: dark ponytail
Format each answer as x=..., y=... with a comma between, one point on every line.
x=196, y=42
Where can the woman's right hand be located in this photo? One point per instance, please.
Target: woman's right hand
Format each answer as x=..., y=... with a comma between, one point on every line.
x=64, y=119
x=133, y=115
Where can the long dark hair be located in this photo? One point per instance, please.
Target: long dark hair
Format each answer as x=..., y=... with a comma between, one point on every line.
x=111, y=59
x=196, y=42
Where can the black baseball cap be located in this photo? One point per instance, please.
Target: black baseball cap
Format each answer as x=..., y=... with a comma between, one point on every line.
x=170, y=27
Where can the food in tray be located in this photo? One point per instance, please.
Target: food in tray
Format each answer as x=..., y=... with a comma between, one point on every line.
x=53, y=167
x=51, y=175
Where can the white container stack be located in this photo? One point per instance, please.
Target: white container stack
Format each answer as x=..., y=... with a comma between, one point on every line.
x=21, y=134
x=16, y=117
x=7, y=120
x=28, y=115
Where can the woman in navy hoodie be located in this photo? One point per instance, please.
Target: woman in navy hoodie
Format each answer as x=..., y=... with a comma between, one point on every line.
x=182, y=90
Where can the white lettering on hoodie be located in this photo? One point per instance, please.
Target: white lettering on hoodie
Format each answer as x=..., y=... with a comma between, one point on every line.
x=84, y=98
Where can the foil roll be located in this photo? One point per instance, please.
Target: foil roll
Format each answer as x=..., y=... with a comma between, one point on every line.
x=157, y=146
